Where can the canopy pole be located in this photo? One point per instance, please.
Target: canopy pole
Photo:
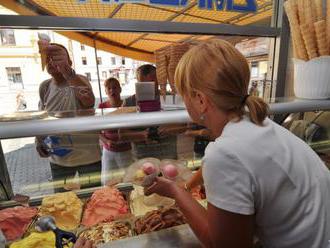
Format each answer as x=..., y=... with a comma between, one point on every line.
x=97, y=69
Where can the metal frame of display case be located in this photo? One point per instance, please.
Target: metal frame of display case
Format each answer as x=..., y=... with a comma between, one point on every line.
x=122, y=25
x=278, y=53
x=19, y=129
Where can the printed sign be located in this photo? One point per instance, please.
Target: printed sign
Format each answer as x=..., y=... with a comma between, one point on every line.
x=250, y=6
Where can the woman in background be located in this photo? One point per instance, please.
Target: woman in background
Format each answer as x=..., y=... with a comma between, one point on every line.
x=116, y=154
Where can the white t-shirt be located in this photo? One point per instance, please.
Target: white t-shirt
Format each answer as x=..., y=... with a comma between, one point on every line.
x=83, y=148
x=270, y=173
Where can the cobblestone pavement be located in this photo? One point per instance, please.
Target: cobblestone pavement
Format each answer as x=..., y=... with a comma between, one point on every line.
x=30, y=174
x=27, y=170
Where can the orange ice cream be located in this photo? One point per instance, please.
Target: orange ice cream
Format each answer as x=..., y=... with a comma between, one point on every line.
x=104, y=205
x=66, y=208
x=15, y=221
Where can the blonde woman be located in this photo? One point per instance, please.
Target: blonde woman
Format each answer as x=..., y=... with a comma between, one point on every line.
x=260, y=179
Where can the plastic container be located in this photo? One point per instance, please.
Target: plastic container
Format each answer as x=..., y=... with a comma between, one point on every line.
x=184, y=174
x=132, y=171
x=312, y=78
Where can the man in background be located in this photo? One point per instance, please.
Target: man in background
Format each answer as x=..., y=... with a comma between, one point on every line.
x=158, y=142
x=67, y=94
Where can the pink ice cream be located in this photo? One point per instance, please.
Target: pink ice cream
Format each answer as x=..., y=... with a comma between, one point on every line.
x=15, y=221
x=105, y=205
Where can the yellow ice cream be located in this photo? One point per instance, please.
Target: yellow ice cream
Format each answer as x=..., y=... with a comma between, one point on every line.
x=141, y=204
x=66, y=208
x=36, y=240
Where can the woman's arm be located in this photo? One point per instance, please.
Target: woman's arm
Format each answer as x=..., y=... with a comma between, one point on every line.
x=195, y=180
x=214, y=227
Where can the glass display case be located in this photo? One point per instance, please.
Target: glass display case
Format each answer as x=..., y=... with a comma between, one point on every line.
x=35, y=179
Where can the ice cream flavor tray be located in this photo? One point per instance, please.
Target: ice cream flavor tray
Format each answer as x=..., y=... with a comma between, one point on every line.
x=61, y=206
x=119, y=226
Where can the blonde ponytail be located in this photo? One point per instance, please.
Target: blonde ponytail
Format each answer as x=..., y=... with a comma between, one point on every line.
x=222, y=73
x=258, y=109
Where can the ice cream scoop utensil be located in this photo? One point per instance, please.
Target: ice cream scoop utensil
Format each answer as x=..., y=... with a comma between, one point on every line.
x=149, y=180
x=47, y=223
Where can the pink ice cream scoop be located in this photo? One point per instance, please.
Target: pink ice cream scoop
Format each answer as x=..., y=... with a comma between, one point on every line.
x=170, y=171
x=149, y=168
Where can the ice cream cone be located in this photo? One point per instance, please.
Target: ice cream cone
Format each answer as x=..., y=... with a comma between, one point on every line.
x=176, y=51
x=161, y=71
x=309, y=11
x=321, y=38
x=318, y=9
x=291, y=8
x=328, y=21
x=301, y=12
x=43, y=43
x=308, y=35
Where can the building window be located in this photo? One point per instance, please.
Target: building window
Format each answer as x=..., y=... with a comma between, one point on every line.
x=254, y=69
x=99, y=60
x=104, y=74
x=14, y=74
x=88, y=75
x=113, y=60
x=84, y=60
x=82, y=47
x=7, y=37
x=123, y=61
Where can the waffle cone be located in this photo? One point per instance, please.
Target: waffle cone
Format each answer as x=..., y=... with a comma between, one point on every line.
x=328, y=21
x=291, y=8
x=318, y=9
x=299, y=43
x=321, y=39
x=161, y=65
x=308, y=35
x=301, y=12
x=324, y=52
x=309, y=11
x=176, y=53
x=43, y=56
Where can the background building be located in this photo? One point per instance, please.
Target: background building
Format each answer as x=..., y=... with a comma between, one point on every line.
x=21, y=73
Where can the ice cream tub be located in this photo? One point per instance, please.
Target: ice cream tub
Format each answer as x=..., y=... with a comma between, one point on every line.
x=141, y=204
x=312, y=78
x=65, y=207
x=14, y=222
x=105, y=205
x=175, y=170
x=158, y=219
x=106, y=232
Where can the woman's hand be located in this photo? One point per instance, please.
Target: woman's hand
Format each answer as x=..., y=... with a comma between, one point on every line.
x=163, y=187
x=83, y=243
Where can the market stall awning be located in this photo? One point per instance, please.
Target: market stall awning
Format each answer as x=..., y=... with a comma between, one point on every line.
x=140, y=46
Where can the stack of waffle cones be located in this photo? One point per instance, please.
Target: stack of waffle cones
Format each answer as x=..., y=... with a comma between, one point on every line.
x=310, y=28
x=176, y=53
x=167, y=60
x=162, y=60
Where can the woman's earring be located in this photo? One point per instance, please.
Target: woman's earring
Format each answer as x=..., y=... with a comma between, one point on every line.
x=202, y=117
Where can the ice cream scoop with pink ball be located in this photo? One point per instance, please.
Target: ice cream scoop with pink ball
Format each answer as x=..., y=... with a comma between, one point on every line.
x=170, y=171
x=149, y=168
